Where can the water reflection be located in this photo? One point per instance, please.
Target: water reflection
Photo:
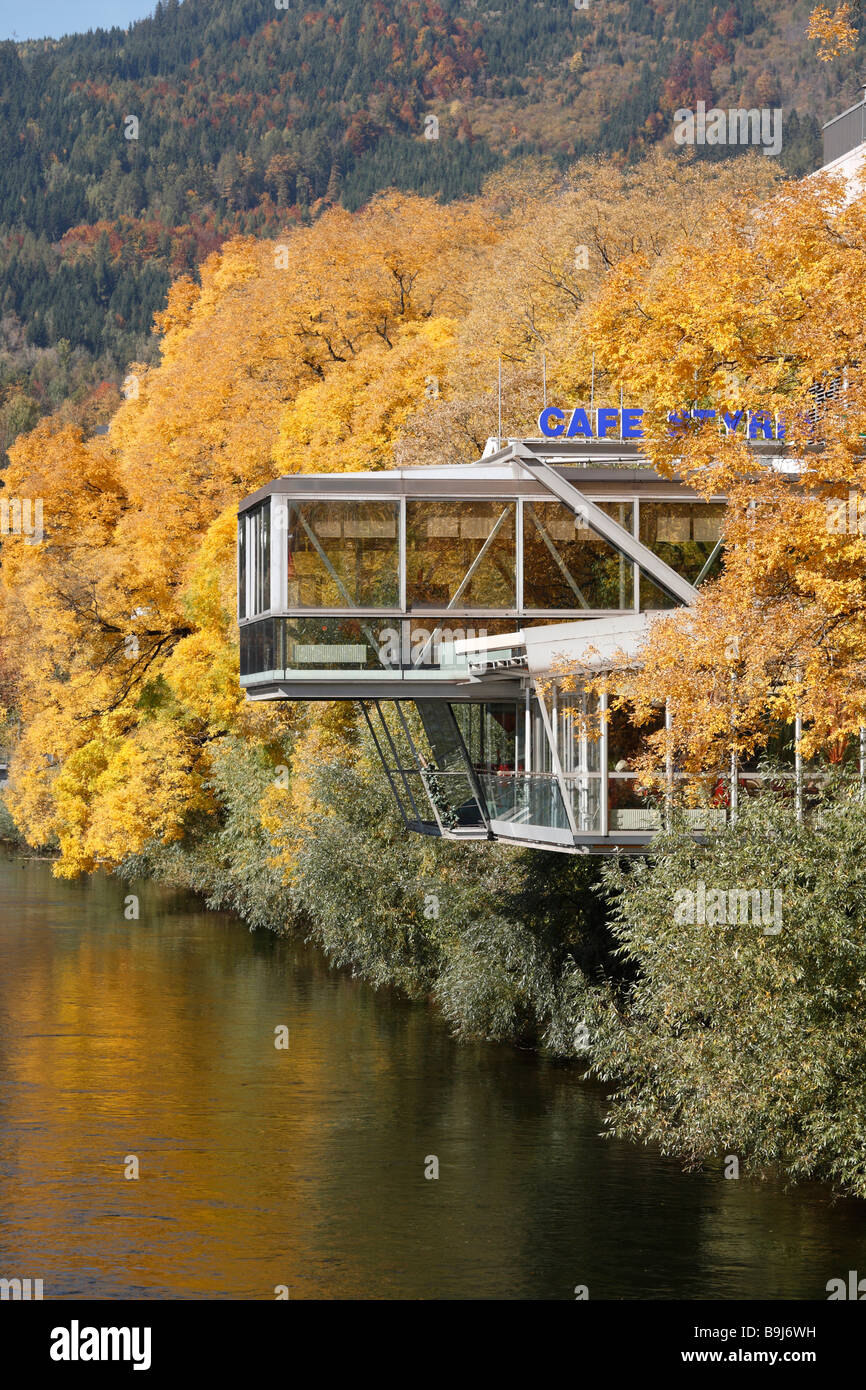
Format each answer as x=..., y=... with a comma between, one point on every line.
x=305, y=1167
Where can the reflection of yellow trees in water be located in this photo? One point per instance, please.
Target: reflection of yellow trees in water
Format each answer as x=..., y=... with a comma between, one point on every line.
x=305, y=1168
x=161, y=1044
x=258, y=1166
x=374, y=340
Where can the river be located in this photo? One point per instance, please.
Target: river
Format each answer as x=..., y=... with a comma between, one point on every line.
x=303, y=1168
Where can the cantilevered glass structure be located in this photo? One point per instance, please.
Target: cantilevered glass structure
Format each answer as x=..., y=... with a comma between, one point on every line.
x=444, y=600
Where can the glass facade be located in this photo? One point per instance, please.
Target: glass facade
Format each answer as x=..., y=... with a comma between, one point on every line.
x=497, y=738
x=343, y=555
x=630, y=807
x=684, y=535
x=459, y=563
x=429, y=642
x=461, y=554
x=254, y=560
x=423, y=574
x=277, y=645
x=565, y=773
x=345, y=590
x=568, y=566
x=578, y=738
x=324, y=643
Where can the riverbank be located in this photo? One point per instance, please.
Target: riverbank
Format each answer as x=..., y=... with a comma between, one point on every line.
x=721, y=1041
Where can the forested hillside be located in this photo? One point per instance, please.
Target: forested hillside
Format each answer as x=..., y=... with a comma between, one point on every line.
x=253, y=114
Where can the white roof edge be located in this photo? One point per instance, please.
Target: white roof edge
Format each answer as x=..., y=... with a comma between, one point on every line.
x=592, y=641
x=846, y=112
x=489, y=644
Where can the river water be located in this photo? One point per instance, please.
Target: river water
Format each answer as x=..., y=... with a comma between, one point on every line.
x=302, y=1168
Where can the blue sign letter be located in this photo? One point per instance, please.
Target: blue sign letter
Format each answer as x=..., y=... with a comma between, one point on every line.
x=631, y=424
x=545, y=422
x=579, y=424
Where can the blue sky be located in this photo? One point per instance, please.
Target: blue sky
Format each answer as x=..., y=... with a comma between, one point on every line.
x=39, y=19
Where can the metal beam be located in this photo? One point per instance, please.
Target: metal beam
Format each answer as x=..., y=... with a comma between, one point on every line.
x=397, y=764
x=610, y=530
x=420, y=766
x=384, y=763
x=314, y=540
x=710, y=560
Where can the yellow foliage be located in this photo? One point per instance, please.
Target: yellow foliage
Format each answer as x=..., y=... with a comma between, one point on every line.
x=773, y=305
x=202, y=671
x=286, y=812
x=834, y=33
x=353, y=422
x=358, y=342
x=113, y=795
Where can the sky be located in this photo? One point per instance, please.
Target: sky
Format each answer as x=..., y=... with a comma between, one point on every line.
x=39, y=19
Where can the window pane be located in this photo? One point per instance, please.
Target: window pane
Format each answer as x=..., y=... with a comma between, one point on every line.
x=343, y=555
x=566, y=565
x=777, y=751
x=653, y=597
x=586, y=796
x=262, y=532
x=493, y=733
x=460, y=554
x=684, y=535
x=627, y=740
x=579, y=730
x=260, y=647
x=254, y=559
x=630, y=806
x=432, y=639
x=323, y=644
x=332, y=644
x=242, y=566
x=524, y=799
x=444, y=767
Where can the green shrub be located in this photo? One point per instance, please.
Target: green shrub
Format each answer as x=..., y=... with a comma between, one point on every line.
x=498, y=936
x=745, y=1039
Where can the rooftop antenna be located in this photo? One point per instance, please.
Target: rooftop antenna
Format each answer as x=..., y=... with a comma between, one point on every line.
x=620, y=413
x=592, y=390
x=499, y=435
x=544, y=374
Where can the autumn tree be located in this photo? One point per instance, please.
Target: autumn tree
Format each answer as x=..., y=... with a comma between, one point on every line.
x=762, y=313
x=835, y=30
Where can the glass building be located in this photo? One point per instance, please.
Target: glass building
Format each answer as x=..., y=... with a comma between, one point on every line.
x=445, y=600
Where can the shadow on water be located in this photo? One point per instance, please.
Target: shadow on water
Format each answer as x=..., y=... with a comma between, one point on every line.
x=258, y=1167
